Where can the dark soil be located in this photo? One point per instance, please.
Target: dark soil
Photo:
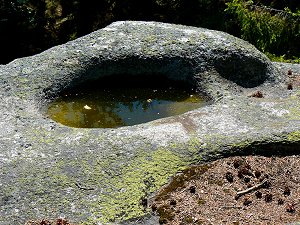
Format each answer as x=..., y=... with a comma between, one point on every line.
x=48, y=222
x=236, y=190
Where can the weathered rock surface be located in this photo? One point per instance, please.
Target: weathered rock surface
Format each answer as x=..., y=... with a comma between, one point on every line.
x=101, y=175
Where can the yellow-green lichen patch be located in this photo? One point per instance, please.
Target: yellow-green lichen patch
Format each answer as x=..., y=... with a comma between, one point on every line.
x=294, y=113
x=292, y=104
x=241, y=145
x=40, y=135
x=294, y=136
x=151, y=39
x=194, y=145
x=137, y=179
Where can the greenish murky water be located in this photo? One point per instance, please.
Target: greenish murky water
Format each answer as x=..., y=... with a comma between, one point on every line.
x=101, y=106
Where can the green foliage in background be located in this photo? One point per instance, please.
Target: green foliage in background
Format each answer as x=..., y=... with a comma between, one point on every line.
x=30, y=26
x=283, y=58
x=270, y=30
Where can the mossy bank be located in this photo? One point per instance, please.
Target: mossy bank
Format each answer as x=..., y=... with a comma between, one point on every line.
x=100, y=176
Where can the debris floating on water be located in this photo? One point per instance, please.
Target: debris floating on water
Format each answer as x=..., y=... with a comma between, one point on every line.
x=87, y=107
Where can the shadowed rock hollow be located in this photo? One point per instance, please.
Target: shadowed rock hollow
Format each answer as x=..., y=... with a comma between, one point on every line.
x=102, y=175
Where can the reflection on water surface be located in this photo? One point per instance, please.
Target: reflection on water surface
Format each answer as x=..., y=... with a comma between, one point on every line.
x=102, y=107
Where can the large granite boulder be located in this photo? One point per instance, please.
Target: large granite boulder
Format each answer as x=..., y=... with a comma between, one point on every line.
x=98, y=176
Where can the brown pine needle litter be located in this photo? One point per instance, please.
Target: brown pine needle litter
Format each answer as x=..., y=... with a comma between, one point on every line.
x=235, y=190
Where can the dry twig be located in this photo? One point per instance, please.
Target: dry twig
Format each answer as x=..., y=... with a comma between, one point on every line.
x=255, y=187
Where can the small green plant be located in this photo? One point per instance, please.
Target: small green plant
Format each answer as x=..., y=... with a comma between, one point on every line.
x=282, y=58
x=270, y=30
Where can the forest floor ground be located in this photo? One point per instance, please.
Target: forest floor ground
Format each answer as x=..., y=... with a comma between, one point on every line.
x=235, y=190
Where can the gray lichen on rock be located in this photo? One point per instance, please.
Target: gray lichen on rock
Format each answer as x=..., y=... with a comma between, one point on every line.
x=99, y=176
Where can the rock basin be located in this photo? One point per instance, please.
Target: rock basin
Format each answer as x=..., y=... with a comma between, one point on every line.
x=100, y=176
